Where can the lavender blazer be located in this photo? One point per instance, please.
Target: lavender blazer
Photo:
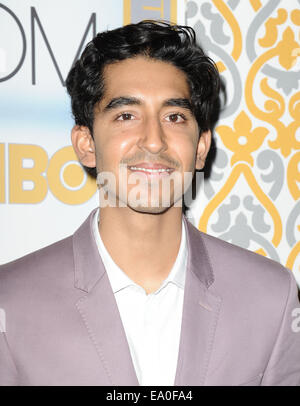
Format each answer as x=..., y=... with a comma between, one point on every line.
x=63, y=326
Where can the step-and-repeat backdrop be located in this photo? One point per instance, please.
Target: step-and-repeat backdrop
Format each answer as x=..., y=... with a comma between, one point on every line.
x=252, y=196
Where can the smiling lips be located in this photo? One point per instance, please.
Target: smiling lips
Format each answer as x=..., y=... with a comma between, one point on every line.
x=151, y=168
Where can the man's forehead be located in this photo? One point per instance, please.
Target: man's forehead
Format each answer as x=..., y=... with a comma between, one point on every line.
x=140, y=60
x=142, y=77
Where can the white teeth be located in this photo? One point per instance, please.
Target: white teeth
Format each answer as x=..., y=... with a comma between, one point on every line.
x=135, y=168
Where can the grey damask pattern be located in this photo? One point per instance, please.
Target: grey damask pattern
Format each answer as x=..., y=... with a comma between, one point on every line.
x=224, y=211
x=191, y=9
x=220, y=162
x=258, y=214
x=217, y=24
x=233, y=4
x=209, y=46
x=241, y=234
x=290, y=225
x=265, y=160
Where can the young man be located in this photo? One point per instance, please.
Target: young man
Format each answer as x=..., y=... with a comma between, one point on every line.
x=138, y=295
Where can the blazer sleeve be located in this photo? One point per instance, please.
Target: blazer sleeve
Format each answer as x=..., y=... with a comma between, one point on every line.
x=8, y=370
x=283, y=368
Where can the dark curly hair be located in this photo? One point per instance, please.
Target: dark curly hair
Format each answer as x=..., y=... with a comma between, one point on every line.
x=159, y=40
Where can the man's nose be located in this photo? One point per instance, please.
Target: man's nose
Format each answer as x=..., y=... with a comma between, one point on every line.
x=153, y=138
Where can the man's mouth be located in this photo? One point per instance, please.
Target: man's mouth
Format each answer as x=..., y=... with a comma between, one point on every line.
x=151, y=168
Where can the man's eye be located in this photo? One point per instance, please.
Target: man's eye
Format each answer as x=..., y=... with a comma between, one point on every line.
x=176, y=118
x=125, y=117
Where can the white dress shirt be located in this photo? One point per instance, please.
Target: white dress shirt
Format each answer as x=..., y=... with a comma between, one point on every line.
x=152, y=322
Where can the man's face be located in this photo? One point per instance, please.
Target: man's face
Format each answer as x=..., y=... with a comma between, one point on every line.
x=144, y=122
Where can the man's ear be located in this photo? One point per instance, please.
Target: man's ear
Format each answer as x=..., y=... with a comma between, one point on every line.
x=84, y=145
x=203, y=148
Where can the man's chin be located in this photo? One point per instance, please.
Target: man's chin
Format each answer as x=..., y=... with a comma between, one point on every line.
x=149, y=209
x=157, y=208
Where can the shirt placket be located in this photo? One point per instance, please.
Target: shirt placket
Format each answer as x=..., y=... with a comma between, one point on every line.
x=150, y=336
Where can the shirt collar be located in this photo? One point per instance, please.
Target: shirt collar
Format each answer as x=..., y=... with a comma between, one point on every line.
x=119, y=280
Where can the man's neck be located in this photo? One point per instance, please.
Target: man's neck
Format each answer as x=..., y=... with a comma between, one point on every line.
x=144, y=246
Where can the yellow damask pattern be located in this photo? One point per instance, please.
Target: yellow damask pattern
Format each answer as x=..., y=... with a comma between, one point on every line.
x=261, y=138
x=239, y=170
x=242, y=141
x=274, y=110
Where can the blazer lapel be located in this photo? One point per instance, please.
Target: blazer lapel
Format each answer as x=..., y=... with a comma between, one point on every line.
x=100, y=315
x=200, y=314
x=98, y=308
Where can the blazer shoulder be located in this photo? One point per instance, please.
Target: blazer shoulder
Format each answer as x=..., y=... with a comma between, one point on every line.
x=242, y=277
x=229, y=260
x=56, y=256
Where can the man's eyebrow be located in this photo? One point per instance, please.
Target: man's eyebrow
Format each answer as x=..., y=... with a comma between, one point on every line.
x=117, y=102
x=121, y=101
x=179, y=102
